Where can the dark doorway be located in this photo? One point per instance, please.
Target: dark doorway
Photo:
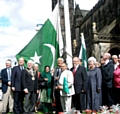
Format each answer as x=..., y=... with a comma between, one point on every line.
x=114, y=51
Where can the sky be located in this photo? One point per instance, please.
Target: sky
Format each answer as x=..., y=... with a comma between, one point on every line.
x=18, y=19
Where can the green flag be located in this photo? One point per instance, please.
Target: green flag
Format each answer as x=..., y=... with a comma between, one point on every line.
x=65, y=86
x=83, y=54
x=45, y=47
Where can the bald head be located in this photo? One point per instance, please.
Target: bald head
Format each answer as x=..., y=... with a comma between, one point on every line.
x=115, y=59
x=35, y=66
x=30, y=64
x=8, y=63
x=63, y=66
x=21, y=61
x=75, y=61
x=60, y=61
x=106, y=56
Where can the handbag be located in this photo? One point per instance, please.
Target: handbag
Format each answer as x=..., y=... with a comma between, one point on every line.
x=43, y=83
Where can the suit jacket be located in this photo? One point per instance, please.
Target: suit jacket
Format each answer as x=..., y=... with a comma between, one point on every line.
x=27, y=82
x=16, y=78
x=80, y=79
x=69, y=76
x=56, y=74
x=107, y=74
x=4, y=77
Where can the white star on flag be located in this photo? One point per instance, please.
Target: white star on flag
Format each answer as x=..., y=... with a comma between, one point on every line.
x=36, y=58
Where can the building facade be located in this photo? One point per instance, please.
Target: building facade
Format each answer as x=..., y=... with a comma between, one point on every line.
x=101, y=27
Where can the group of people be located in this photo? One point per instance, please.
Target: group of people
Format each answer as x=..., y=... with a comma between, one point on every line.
x=67, y=88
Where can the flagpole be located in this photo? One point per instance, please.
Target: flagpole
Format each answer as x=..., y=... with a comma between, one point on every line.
x=68, y=34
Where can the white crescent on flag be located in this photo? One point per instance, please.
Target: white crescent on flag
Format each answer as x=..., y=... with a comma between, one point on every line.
x=52, y=48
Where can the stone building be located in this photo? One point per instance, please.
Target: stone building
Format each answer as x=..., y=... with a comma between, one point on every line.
x=101, y=27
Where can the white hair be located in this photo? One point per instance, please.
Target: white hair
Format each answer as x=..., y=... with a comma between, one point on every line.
x=119, y=55
x=108, y=55
x=60, y=59
x=93, y=59
x=114, y=56
x=29, y=61
x=36, y=64
x=21, y=58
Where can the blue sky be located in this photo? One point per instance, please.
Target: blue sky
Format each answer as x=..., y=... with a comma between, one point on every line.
x=4, y=21
x=18, y=19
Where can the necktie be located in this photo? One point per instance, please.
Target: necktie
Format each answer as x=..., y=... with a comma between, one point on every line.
x=74, y=70
x=9, y=74
x=22, y=68
x=57, y=72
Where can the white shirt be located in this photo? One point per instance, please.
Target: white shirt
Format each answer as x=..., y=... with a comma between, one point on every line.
x=9, y=73
x=115, y=65
x=106, y=62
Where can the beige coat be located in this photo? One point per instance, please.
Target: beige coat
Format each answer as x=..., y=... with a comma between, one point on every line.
x=69, y=76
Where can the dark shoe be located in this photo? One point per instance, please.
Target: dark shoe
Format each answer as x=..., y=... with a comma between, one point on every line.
x=31, y=113
x=4, y=113
x=11, y=113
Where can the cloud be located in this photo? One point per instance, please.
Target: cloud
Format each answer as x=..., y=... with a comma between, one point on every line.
x=86, y=4
x=18, y=19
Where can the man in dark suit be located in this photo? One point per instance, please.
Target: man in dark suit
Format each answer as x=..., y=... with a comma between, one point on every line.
x=30, y=87
x=6, y=87
x=17, y=86
x=107, y=80
x=80, y=85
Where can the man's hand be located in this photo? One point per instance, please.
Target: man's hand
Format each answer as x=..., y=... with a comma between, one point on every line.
x=37, y=91
x=56, y=78
x=60, y=87
x=83, y=91
x=26, y=90
x=13, y=88
x=98, y=90
x=56, y=87
x=9, y=83
x=46, y=79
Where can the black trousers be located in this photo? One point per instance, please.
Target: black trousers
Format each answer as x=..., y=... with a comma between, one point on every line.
x=117, y=95
x=80, y=101
x=29, y=102
x=18, y=101
x=58, y=102
x=107, y=96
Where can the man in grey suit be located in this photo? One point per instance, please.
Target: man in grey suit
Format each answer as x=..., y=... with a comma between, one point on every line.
x=6, y=74
x=80, y=84
x=56, y=75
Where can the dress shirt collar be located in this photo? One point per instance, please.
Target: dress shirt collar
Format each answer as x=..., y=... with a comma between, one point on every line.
x=116, y=65
x=76, y=66
x=106, y=62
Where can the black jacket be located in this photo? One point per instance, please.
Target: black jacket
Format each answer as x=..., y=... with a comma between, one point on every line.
x=16, y=78
x=80, y=79
x=107, y=74
x=4, y=77
x=28, y=83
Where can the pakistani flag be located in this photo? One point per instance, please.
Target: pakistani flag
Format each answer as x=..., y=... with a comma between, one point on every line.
x=65, y=85
x=46, y=46
x=83, y=54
